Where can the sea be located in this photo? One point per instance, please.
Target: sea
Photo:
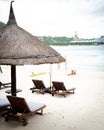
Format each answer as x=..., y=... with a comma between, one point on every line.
x=83, y=57
x=79, y=58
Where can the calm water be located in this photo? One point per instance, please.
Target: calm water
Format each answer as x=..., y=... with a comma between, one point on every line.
x=83, y=57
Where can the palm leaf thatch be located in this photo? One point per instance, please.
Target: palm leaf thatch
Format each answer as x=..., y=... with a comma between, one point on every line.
x=19, y=47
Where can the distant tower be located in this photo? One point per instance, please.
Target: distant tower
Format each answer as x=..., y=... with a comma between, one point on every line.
x=76, y=38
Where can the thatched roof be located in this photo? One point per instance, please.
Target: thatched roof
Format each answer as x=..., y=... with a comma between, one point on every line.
x=19, y=47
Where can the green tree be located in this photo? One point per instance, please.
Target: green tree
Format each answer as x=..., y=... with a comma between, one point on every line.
x=2, y=24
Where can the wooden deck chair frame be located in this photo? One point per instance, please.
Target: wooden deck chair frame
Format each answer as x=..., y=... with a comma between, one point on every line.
x=20, y=109
x=4, y=85
x=59, y=88
x=39, y=87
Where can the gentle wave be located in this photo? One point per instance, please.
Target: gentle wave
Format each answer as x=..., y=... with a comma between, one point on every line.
x=83, y=57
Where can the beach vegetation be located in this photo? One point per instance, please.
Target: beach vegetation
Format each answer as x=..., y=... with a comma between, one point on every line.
x=63, y=41
x=2, y=24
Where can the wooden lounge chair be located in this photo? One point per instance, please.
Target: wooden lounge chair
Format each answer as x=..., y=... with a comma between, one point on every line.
x=39, y=87
x=4, y=104
x=59, y=88
x=5, y=85
x=20, y=109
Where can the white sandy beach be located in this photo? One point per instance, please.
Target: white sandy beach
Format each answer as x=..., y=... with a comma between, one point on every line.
x=83, y=110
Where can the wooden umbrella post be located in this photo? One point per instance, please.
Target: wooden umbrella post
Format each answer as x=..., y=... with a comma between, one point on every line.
x=13, y=80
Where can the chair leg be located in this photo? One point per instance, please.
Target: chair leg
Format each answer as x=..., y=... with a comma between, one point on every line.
x=52, y=93
x=25, y=122
x=6, y=118
x=33, y=91
x=73, y=90
x=41, y=111
x=64, y=94
x=32, y=88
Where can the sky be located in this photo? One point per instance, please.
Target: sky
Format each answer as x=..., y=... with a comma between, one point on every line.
x=57, y=17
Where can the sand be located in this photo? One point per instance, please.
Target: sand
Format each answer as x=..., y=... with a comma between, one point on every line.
x=83, y=110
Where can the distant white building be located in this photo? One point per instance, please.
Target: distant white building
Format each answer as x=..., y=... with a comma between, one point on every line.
x=76, y=38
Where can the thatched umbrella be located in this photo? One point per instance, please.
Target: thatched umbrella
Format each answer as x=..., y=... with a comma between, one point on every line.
x=18, y=47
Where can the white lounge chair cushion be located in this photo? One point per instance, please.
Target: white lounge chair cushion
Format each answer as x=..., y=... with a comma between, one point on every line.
x=35, y=106
x=4, y=102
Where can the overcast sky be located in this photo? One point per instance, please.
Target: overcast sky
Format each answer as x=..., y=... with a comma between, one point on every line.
x=57, y=17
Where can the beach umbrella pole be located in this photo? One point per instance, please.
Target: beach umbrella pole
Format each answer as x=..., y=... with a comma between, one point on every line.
x=13, y=80
x=50, y=74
